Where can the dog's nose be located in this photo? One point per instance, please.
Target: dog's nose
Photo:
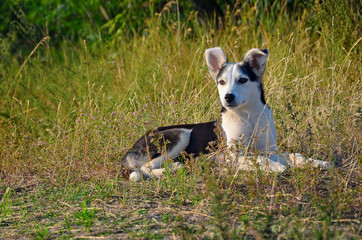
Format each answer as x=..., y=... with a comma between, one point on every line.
x=229, y=97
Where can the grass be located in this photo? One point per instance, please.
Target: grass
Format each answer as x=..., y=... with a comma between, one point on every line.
x=68, y=115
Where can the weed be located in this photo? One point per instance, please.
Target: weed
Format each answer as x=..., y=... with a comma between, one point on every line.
x=166, y=218
x=5, y=205
x=86, y=216
x=67, y=225
x=41, y=232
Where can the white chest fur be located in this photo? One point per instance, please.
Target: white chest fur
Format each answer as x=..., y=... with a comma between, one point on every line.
x=237, y=128
x=255, y=129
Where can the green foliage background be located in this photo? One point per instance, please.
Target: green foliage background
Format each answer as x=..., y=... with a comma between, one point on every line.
x=24, y=23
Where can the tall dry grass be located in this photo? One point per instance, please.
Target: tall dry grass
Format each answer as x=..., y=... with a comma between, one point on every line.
x=69, y=115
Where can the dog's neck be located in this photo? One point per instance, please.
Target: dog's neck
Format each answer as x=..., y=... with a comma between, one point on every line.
x=242, y=122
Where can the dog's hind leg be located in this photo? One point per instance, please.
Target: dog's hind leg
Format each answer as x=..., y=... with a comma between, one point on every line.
x=154, y=168
x=150, y=152
x=157, y=173
x=153, y=173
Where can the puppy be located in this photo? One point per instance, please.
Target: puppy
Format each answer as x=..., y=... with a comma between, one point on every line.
x=246, y=120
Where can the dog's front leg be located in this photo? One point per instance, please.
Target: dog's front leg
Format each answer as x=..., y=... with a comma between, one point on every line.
x=271, y=163
x=297, y=160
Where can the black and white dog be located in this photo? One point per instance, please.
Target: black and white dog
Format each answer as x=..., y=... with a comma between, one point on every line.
x=245, y=120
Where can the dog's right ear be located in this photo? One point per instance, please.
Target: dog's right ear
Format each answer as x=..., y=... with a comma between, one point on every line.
x=256, y=58
x=215, y=60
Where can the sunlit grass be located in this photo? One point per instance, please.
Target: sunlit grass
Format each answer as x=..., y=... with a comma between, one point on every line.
x=69, y=115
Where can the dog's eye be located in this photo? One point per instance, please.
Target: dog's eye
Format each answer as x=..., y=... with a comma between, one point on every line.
x=221, y=82
x=242, y=80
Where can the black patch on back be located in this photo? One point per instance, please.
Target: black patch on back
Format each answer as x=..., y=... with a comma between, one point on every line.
x=148, y=145
x=153, y=141
x=202, y=134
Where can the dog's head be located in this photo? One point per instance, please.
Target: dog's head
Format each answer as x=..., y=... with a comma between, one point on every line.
x=239, y=84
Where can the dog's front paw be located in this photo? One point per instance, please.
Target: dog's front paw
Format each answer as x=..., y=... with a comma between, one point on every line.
x=297, y=160
x=267, y=164
x=263, y=163
x=319, y=163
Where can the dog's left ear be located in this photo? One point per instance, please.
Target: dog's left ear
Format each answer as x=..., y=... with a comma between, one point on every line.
x=215, y=60
x=257, y=59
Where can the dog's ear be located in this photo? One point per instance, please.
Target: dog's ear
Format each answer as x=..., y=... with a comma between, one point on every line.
x=215, y=60
x=257, y=59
